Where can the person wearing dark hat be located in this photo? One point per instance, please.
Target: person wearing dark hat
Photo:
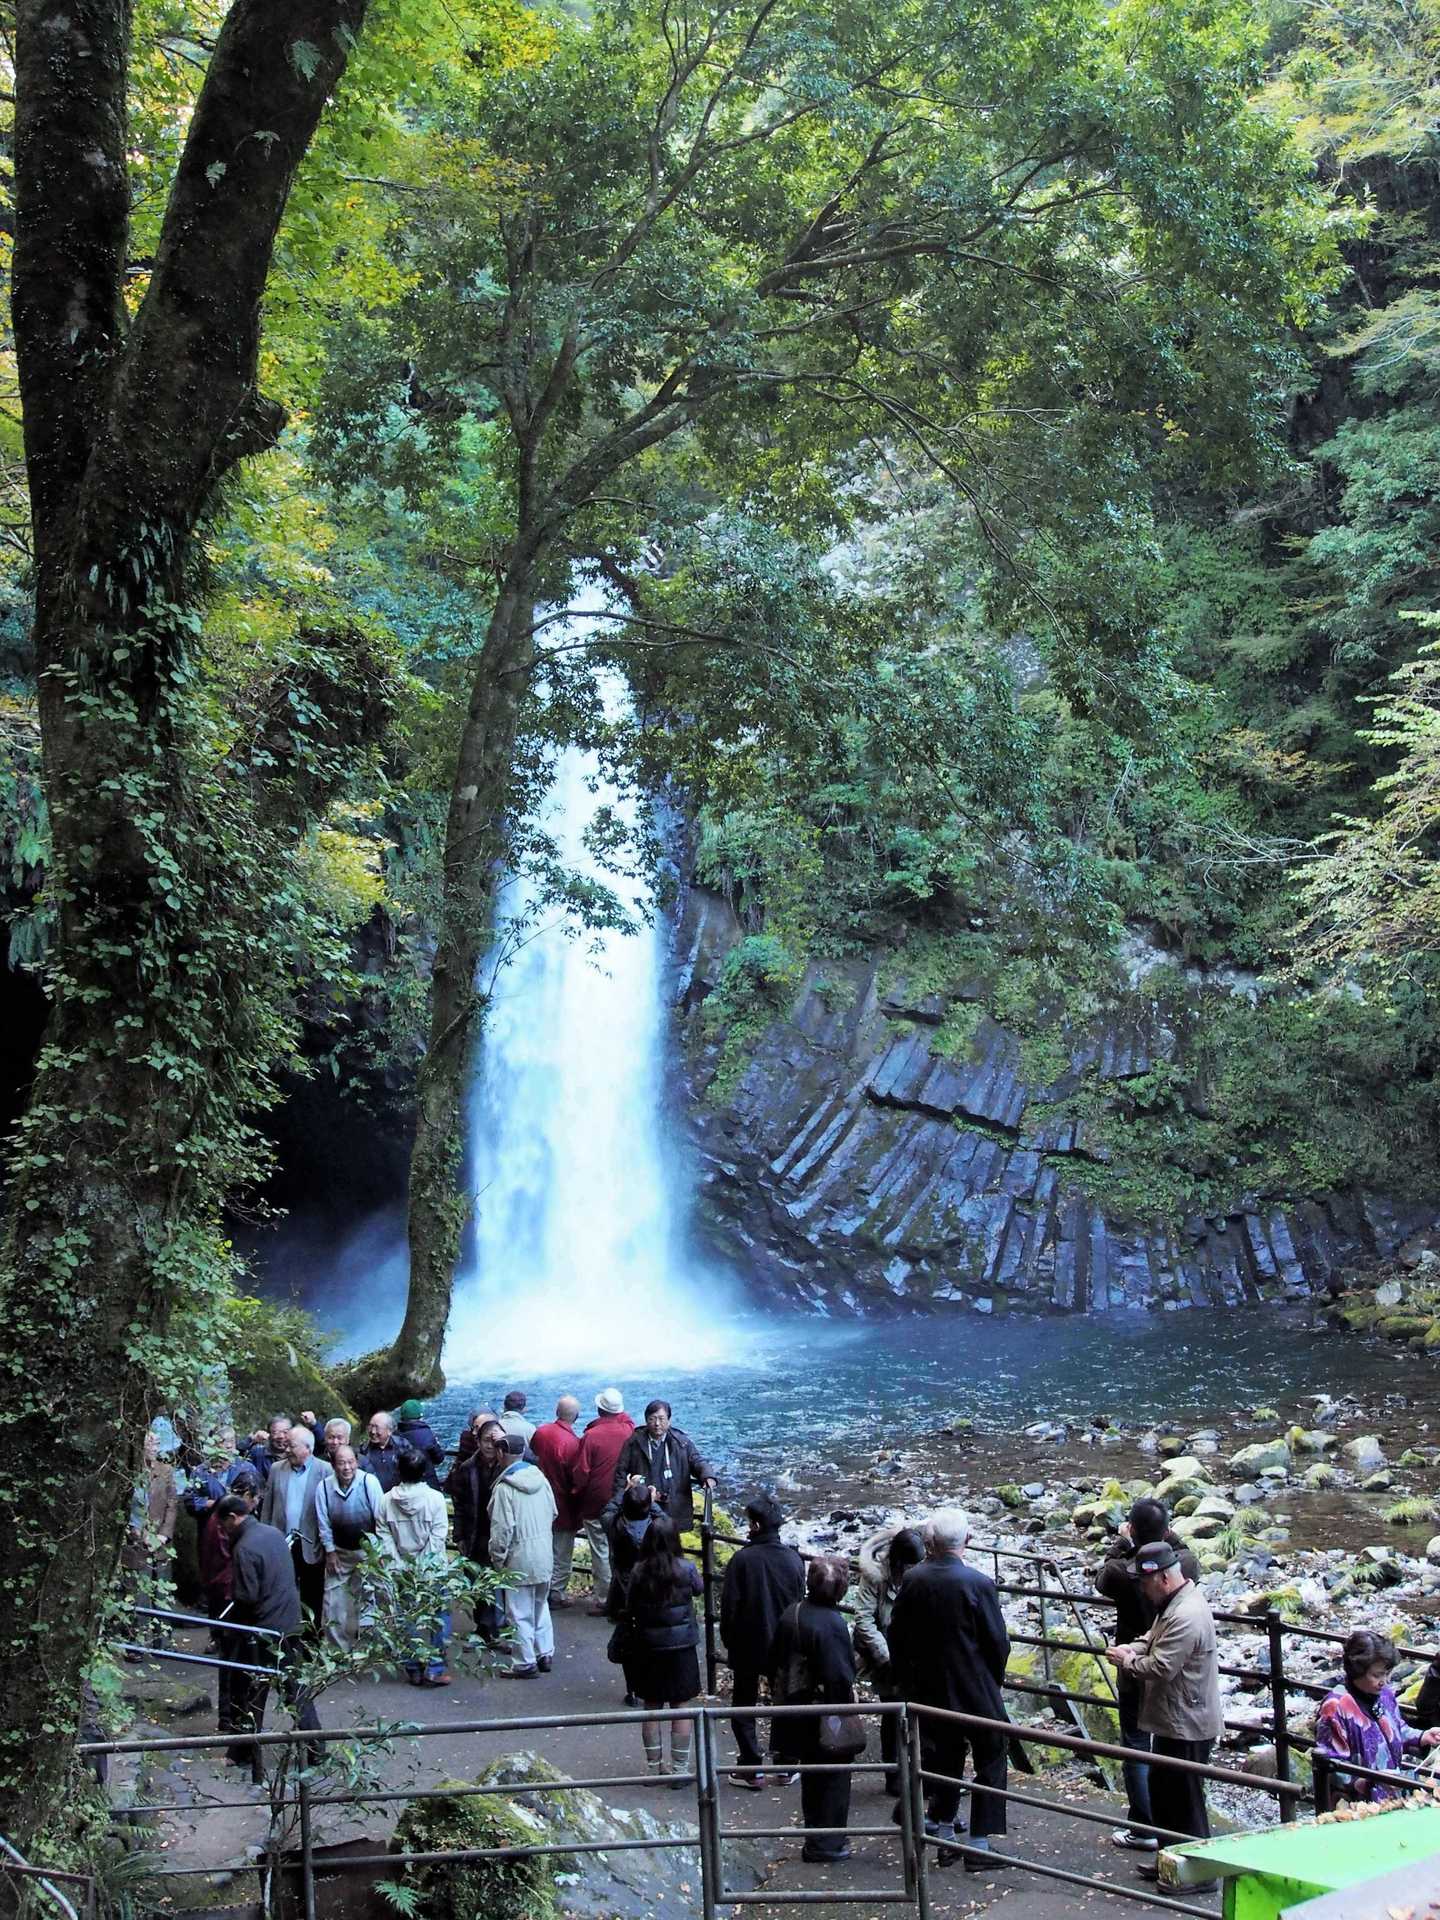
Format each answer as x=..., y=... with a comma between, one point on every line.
x=1119, y=1580
x=592, y=1474
x=1177, y=1666
x=764, y=1578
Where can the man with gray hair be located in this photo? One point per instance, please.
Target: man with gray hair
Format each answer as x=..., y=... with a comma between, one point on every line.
x=381, y=1453
x=288, y=1504
x=948, y=1648
x=337, y=1435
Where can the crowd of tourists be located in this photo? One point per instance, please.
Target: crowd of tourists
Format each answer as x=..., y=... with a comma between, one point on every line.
x=283, y=1519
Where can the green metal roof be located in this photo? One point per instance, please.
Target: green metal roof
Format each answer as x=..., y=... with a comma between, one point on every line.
x=1276, y=1867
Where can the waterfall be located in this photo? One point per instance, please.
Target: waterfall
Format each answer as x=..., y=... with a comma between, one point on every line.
x=577, y=1255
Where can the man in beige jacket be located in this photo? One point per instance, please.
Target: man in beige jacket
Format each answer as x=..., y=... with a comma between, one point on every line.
x=1178, y=1668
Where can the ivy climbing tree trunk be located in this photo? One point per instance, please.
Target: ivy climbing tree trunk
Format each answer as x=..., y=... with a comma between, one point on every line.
x=165, y=1014
x=475, y=838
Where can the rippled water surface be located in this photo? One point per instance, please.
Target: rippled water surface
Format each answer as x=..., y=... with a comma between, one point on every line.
x=806, y=1389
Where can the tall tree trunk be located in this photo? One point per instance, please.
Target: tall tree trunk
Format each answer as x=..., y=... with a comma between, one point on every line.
x=157, y=1033
x=475, y=846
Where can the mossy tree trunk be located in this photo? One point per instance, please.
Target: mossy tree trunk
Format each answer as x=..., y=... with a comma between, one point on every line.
x=158, y=1033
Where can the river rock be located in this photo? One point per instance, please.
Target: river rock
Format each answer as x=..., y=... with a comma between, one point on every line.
x=1377, y=1483
x=1173, y=1491
x=1197, y=1526
x=1391, y=1293
x=1045, y=1430
x=1413, y=1254
x=1171, y=1443
x=1249, y=1495
x=1313, y=1440
x=1318, y=1476
x=1183, y=1466
x=1215, y=1504
x=1365, y=1454
x=1264, y=1453
x=1432, y=1551
x=1390, y=1570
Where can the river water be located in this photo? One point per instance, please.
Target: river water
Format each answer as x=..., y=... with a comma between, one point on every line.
x=805, y=1390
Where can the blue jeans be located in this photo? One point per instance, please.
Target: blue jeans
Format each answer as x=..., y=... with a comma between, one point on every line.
x=439, y=1640
x=1137, y=1774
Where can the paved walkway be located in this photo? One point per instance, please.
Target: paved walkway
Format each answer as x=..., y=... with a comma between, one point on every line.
x=584, y=1682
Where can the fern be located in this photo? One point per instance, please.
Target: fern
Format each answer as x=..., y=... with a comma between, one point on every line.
x=1411, y=1513
x=405, y=1900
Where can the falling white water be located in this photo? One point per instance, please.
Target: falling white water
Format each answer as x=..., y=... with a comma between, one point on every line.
x=578, y=1249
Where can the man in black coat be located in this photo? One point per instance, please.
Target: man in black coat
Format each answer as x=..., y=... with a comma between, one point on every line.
x=265, y=1594
x=665, y=1459
x=948, y=1648
x=762, y=1580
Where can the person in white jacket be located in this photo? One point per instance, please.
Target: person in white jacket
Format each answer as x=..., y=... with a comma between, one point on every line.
x=522, y=1514
x=413, y=1525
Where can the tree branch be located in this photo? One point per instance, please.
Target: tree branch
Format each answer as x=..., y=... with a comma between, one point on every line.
x=187, y=382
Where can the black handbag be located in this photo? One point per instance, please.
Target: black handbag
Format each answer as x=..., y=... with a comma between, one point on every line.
x=617, y=1648
x=842, y=1736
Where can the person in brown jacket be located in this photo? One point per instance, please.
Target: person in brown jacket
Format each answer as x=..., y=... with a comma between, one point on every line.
x=150, y=1538
x=1178, y=1668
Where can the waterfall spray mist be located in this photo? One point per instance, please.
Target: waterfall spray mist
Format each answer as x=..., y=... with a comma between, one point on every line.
x=578, y=1247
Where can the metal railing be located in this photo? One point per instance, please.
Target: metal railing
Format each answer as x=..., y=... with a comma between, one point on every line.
x=1273, y=1677
x=919, y=1731
x=16, y=1869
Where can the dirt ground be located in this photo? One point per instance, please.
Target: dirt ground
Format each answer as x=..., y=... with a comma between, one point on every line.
x=219, y=1819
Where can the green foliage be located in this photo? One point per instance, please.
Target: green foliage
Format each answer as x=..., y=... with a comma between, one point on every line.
x=756, y=983
x=273, y=1357
x=1415, y=1512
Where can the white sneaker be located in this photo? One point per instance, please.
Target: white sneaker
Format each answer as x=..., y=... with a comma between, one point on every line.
x=1134, y=1842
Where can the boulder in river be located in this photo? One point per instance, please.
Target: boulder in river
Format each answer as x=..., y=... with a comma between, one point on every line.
x=1432, y=1551
x=1364, y=1454
x=1263, y=1454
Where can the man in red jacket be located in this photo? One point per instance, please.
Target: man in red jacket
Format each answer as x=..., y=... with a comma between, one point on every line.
x=555, y=1446
x=592, y=1475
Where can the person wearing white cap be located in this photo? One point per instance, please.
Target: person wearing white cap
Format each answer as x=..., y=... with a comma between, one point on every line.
x=592, y=1473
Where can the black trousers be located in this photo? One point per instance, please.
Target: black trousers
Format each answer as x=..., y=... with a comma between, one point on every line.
x=251, y=1690
x=311, y=1582
x=746, y=1729
x=1177, y=1799
x=945, y=1752
x=824, y=1796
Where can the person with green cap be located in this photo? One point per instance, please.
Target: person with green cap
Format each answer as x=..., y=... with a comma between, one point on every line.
x=413, y=1430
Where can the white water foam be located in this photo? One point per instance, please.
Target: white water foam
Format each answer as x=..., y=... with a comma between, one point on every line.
x=578, y=1247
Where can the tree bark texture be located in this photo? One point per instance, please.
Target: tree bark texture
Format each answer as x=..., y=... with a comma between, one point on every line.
x=475, y=845
x=127, y=431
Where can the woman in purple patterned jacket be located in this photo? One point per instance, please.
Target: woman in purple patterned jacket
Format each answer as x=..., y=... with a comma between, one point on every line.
x=1361, y=1722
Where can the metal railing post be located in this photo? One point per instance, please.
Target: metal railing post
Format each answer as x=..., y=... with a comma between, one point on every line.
x=1279, y=1705
x=707, y=1574
x=307, y=1854
x=904, y=1805
x=1320, y=1774
x=707, y=1815
x=915, y=1768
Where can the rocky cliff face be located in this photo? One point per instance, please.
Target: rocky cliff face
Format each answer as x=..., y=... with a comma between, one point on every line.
x=857, y=1169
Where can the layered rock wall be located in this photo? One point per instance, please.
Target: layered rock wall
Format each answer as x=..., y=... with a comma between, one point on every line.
x=856, y=1168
